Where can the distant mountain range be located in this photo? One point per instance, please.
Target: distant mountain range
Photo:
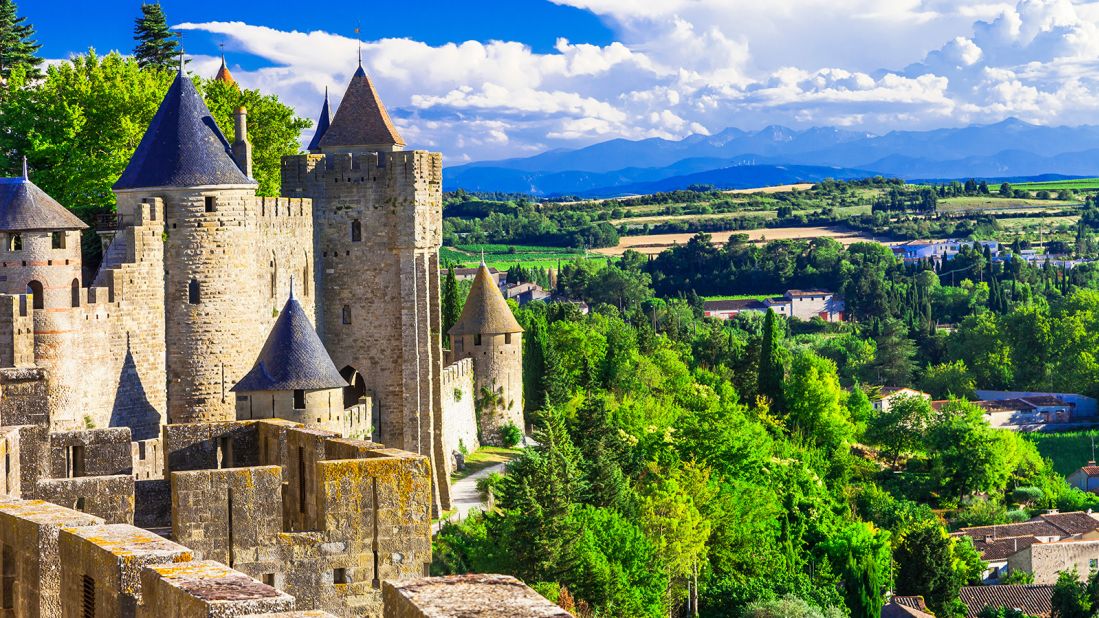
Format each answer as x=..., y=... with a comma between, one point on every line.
x=736, y=159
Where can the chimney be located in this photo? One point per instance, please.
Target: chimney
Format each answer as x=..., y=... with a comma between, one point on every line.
x=242, y=149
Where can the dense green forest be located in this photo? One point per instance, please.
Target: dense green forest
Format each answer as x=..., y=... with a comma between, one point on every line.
x=739, y=465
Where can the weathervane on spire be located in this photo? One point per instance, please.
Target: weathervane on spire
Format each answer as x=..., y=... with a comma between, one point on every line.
x=360, y=39
x=291, y=286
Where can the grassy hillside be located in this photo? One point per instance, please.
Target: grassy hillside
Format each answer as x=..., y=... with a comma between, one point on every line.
x=1067, y=451
x=1079, y=184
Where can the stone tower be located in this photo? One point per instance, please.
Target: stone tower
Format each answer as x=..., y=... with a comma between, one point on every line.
x=487, y=333
x=377, y=217
x=212, y=320
x=40, y=257
x=294, y=378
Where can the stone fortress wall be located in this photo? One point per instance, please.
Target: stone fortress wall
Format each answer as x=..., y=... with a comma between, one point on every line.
x=460, y=433
x=378, y=228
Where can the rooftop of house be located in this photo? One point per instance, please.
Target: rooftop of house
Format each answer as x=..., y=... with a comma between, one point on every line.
x=25, y=207
x=1090, y=469
x=1002, y=548
x=292, y=358
x=213, y=581
x=1058, y=525
x=476, y=595
x=485, y=311
x=1033, y=599
x=183, y=146
x=906, y=607
x=361, y=119
x=736, y=304
x=801, y=293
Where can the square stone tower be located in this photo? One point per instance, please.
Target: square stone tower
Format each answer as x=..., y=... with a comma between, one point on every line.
x=377, y=220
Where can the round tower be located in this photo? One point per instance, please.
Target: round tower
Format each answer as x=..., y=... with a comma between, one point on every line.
x=488, y=333
x=40, y=257
x=210, y=318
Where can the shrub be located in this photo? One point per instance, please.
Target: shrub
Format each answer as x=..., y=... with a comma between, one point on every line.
x=1026, y=495
x=510, y=435
x=491, y=481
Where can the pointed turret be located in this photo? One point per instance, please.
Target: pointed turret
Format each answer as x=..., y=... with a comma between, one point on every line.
x=182, y=147
x=224, y=75
x=486, y=312
x=323, y=122
x=362, y=122
x=292, y=358
x=24, y=207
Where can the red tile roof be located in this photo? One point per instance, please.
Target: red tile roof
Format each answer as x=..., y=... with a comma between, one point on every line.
x=1002, y=548
x=1090, y=470
x=1032, y=599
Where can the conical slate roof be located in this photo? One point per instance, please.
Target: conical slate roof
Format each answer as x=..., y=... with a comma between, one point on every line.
x=292, y=358
x=23, y=206
x=486, y=312
x=322, y=125
x=361, y=119
x=182, y=147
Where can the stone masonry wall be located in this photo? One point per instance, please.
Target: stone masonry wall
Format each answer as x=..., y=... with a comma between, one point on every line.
x=378, y=228
x=498, y=367
x=108, y=497
x=459, y=418
x=229, y=257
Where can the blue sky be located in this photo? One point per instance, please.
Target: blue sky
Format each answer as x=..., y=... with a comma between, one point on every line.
x=486, y=80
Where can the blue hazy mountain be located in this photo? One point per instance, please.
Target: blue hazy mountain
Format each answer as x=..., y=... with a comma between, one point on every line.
x=737, y=159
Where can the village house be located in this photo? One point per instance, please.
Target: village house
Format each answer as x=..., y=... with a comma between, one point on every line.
x=1043, y=546
x=888, y=394
x=1031, y=599
x=800, y=304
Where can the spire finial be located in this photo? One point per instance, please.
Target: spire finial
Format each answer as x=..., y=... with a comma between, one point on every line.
x=326, y=94
x=291, y=286
x=482, y=256
x=360, y=39
x=25, y=176
x=181, y=60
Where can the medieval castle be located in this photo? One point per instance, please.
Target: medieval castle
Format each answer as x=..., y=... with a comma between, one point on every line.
x=248, y=409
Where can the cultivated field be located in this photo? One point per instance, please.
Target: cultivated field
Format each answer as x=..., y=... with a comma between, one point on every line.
x=775, y=189
x=503, y=257
x=1080, y=184
x=655, y=243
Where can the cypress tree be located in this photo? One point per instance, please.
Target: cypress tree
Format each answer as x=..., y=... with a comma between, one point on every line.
x=157, y=46
x=450, y=303
x=17, y=45
x=771, y=369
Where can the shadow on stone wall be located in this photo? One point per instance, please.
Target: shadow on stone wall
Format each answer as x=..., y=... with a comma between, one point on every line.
x=131, y=404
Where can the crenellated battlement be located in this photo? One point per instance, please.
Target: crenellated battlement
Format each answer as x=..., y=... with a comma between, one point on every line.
x=455, y=372
x=16, y=331
x=361, y=168
x=282, y=208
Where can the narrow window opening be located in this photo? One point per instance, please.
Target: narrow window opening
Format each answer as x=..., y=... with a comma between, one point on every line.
x=79, y=506
x=57, y=240
x=211, y=203
x=269, y=579
x=299, y=399
x=301, y=479
x=356, y=231
x=194, y=292
x=477, y=339
x=507, y=338
x=76, y=293
x=347, y=314
x=76, y=461
x=34, y=289
x=15, y=242
x=225, y=452
x=339, y=576
x=89, y=598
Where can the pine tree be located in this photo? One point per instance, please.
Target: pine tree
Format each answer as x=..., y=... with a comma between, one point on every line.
x=771, y=368
x=17, y=45
x=450, y=302
x=157, y=46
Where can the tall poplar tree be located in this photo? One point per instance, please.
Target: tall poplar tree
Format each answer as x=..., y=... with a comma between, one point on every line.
x=771, y=368
x=157, y=46
x=451, y=306
x=17, y=45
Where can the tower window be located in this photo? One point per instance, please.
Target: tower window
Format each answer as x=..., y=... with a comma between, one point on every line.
x=356, y=231
x=15, y=242
x=339, y=576
x=211, y=203
x=57, y=240
x=477, y=339
x=507, y=338
x=194, y=292
x=76, y=293
x=299, y=399
x=38, y=300
x=347, y=314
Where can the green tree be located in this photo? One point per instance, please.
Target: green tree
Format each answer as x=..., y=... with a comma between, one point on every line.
x=450, y=303
x=1070, y=597
x=947, y=380
x=18, y=49
x=966, y=454
x=671, y=516
x=772, y=369
x=926, y=566
x=893, y=362
x=790, y=607
x=899, y=428
x=860, y=554
x=814, y=401
x=1005, y=190
x=273, y=128
x=157, y=46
